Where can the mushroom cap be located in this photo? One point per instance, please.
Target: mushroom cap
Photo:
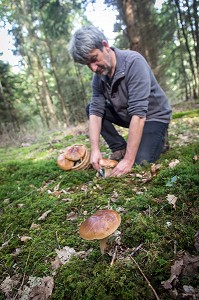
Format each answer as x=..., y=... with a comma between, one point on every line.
x=100, y=225
x=75, y=152
x=85, y=163
x=64, y=163
x=108, y=163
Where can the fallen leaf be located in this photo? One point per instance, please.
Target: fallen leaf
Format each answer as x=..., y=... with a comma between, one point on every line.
x=35, y=226
x=56, y=263
x=172, y=200
x=55, y=193
x=25, y=238
x=155, y=168
x=44, y=215
x=44, y=290
x=184, y=265
x=72, y=216
x=7, y=200
x=114, y=196
x=9, y=283
x=17, y=252
x=37, y=288
x=65, y=254
x=196, y=242
x=190, y=292
x=174, y=163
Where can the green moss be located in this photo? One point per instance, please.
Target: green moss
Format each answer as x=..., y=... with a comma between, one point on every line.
x=30, y=179
x=191, y=113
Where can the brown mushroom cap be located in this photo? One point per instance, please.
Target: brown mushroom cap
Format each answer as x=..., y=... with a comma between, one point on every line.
x=75, y=152
x=100, y=225
x=84, y=164
x=108, y=163
x=64, y=163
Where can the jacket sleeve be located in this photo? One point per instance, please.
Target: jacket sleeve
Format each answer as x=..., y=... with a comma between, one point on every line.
x=138, y=82
x=97, y=105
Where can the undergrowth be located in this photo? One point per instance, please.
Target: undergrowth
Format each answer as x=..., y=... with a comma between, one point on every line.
x=31, y=184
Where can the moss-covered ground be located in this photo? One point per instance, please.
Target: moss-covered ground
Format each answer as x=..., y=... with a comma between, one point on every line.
x=152, y=235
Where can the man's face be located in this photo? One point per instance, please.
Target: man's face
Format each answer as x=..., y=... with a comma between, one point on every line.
x=100, y=61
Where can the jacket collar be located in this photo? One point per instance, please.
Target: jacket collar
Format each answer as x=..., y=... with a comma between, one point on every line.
x=120, y=65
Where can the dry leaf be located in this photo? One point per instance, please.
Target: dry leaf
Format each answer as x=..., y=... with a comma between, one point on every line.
x=25, y=238
x=155, y=168
x=35, y=226
x=7, y=200
x=114, y=196
x=174, y=163
x=184, y=265
x=8, y=284
x=172, y=200
x=55, y=264
x=72, y=216
x=55, y=193
x=44, y=215
x=37, y=289
x=65, y=254
x=44, y=290
x=190, y=292
x=196, y=242
x=17, y=252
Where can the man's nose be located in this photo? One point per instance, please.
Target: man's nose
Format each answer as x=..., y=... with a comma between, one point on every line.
x=93, y=67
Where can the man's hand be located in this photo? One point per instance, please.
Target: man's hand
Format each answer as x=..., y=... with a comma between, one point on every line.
x=95, y=157
x=122, y=168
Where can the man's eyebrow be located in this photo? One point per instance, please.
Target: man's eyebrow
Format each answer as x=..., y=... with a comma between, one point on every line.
x=91, y=58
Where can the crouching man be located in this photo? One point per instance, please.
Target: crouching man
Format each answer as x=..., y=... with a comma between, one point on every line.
x=125, y=92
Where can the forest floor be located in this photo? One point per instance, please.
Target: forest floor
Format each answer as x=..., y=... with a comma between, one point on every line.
x=153, y=255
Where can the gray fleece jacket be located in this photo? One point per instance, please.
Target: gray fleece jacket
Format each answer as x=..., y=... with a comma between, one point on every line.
x=133, y=90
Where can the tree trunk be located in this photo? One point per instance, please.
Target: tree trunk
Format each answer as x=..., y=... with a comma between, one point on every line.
x=188, y=48
x=136, y=16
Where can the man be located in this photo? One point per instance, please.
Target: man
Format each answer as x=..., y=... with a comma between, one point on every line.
x=124, y=92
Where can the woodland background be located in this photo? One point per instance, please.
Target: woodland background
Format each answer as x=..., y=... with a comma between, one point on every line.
x=50, y=91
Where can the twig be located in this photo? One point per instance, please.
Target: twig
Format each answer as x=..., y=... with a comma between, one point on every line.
x=57, y=240
x=24, y=274
x=114, y=256
x=136, y=249
x=149, y=284
x=175, y=247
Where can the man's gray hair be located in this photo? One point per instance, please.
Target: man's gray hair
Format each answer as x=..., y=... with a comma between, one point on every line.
x=84, y=41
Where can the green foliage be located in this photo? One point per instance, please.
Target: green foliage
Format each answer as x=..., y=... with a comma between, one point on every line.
x=31, y=184
x=191, y=113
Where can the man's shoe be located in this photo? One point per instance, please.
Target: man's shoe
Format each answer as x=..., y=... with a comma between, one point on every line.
x=118, y=155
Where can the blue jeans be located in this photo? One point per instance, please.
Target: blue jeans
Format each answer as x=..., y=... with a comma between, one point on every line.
x=152, y=141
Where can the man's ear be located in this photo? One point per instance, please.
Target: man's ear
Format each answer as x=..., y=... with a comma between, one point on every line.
x=105, y=43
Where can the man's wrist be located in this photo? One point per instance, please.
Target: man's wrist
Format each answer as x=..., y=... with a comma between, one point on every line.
x=129, y=159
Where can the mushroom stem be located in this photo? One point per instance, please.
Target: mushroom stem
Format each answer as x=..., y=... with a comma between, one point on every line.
x=103, y=244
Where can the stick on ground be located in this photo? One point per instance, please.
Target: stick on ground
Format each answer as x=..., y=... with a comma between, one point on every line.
x=149, y=284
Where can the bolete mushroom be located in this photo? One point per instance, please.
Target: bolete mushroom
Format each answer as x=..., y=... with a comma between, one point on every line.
x=64, y=163
x=106, y=166
x=75, y=152
x=85, y=163
x=100, y=226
